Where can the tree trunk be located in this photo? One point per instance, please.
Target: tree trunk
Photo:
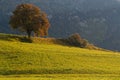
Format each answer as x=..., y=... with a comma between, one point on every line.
x=29, y=33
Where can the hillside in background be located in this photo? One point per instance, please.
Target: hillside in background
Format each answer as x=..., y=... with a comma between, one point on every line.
x=95, y=20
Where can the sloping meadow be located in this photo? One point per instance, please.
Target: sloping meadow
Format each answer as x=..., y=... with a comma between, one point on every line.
x=39, y=58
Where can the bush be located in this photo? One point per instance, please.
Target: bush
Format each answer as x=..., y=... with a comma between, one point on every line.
x=76, y=40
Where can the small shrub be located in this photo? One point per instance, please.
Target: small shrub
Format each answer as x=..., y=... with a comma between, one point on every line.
x=76, y=40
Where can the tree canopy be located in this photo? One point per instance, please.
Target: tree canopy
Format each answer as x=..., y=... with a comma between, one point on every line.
x=29, y=18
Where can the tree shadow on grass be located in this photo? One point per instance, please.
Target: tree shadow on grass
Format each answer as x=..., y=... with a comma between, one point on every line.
x=15, y=38
x=25, y=39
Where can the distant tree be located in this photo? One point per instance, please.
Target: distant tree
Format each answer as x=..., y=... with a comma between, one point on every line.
x=29, y=18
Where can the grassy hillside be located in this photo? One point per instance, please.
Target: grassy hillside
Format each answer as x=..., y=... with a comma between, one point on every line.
x=44, y=57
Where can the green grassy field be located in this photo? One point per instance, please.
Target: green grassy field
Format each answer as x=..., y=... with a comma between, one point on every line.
x=44, y=59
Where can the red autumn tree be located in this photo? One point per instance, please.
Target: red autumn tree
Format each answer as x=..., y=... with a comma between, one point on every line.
x=29, y=18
